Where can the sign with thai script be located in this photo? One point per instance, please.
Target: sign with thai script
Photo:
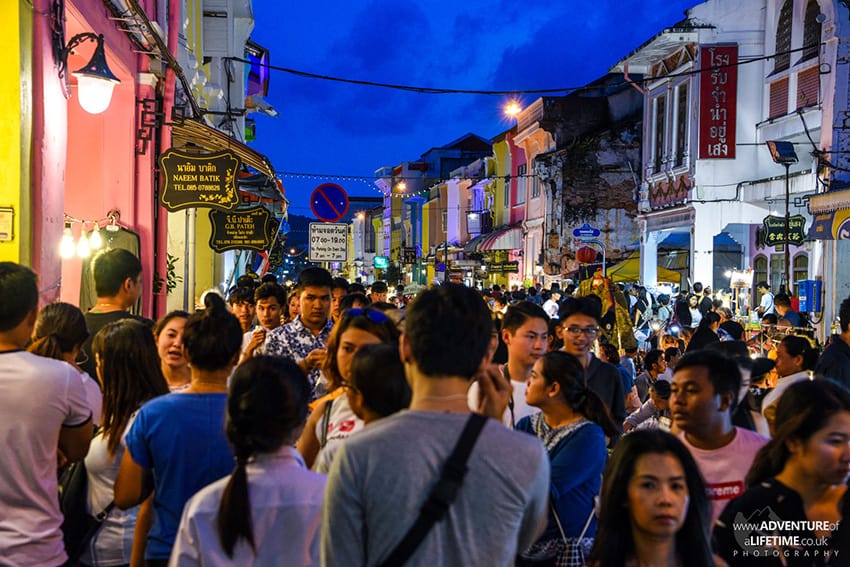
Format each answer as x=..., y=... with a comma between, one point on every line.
x=328, y=242
x=505, y=267
x=248, y=229
x=774, y=230
x=198, y=180
x=718, y=101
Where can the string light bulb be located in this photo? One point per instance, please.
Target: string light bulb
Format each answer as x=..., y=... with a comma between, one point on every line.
x=66, y=245
x=512, y=108
x=83, y=247
x=95, y=239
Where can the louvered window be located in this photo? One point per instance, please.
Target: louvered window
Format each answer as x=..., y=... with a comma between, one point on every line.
x=811, y=31
x=779, y=98
x=216, y=29
x=660, y=130
x=681, y=123
x=808, y=83
x=783, y=38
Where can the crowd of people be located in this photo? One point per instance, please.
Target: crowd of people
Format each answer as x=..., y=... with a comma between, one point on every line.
x=337, y=424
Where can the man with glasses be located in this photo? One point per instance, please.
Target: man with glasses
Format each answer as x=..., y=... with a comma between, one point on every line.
x=305, y=339
x=579, y=330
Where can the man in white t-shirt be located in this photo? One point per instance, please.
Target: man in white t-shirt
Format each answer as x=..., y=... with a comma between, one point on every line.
x=525, y=332
x=704, y=394
x=43, y=410
x=766, y=305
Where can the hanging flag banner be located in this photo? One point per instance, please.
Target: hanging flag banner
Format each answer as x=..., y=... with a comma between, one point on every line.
x=718, y=100
x=198, y=180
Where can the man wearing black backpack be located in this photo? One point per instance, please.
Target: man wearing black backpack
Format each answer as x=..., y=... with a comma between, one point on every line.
x=41, y=401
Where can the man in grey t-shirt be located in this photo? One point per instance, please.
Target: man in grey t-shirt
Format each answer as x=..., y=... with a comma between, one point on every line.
x=383, y=475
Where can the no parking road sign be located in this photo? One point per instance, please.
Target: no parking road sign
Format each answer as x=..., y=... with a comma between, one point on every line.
x=329, y=202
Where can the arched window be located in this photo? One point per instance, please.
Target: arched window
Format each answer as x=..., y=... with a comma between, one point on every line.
x=801, y=271
x=811, y=31
x=783, y=38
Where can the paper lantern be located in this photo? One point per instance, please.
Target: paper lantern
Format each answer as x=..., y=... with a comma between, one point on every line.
x=586, y=255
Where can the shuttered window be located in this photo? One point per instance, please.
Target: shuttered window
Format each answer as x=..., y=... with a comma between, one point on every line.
x=217, y=24
x=808, y=83
x=783, y=38
x=778, y=98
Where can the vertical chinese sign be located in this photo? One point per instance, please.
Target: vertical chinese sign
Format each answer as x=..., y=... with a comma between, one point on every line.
x=718, y=98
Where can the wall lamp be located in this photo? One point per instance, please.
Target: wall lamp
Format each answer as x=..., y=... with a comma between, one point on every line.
x=95, y=81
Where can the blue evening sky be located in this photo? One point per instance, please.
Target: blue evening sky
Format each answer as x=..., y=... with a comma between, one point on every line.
x=334, y=128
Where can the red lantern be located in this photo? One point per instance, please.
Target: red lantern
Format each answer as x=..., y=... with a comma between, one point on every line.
x=586, y=255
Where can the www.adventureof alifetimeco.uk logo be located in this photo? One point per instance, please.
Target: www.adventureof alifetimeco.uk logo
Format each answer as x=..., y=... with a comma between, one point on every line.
x=765, y=534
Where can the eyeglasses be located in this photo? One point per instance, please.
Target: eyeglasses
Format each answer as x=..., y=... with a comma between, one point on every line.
x=372, y=314
x=589, y=332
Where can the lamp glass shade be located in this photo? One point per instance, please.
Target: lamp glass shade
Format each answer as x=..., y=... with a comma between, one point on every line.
x=94, y=93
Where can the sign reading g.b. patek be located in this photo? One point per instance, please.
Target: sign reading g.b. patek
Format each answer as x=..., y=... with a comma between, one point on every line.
x=774, y=230
x=198, y=180
x=249, y=229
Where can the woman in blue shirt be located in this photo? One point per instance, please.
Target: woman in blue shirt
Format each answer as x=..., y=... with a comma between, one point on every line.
x=573, y=424
x=177, y=444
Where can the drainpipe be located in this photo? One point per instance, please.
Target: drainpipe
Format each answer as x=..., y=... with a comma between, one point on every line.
x=629, y=80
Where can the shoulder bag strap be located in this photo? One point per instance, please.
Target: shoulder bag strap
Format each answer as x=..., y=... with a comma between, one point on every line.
x=442, y=494
x=326, y=419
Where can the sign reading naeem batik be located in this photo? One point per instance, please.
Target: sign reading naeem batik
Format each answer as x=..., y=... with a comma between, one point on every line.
x=198, y=180
x=718, y=100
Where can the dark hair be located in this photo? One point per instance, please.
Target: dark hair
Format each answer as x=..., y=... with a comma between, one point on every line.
x=266, y=408
x=19, y=291
x=315, y=277
x=770, y=319
x=340, y=283
x=611, y=353
x=241, y=294
x=652, y=357
x=796, y=345
x=212, y=337
x=763, y=284
x=844, y=315
x=111, y=268
x=59, y=329
x=614, y=545
x=379, y=287
x=378, y=374
x=697, y=287
x=782, y=299
x=734, y=328
x=348, y=300
x=130, y=373
x=661, y=388
x=670, y=352
x=723, y=372
x=708, y=320
x=161, y=324
x=269, y=290
x=589, y=305
x=449, y=329
x=518, y=313
x=568, y=372
x=268, y=278
x=802, y=411
x=246, y=280
x=369, y=320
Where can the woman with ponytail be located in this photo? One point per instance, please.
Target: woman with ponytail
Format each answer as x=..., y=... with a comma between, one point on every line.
x=177, y=444
x=59, y=333
x=799, y=478
x=573, y=424
x=268, y=512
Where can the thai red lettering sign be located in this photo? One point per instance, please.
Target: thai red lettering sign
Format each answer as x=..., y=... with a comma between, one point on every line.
x=718, y=99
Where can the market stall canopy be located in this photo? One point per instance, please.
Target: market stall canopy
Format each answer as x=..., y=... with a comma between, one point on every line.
x=503, y=238
x=629, y=271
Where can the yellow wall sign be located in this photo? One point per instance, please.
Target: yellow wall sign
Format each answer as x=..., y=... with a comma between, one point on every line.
x=199, y=180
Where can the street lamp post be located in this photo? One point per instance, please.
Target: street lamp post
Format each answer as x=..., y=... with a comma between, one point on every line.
x=783, y=153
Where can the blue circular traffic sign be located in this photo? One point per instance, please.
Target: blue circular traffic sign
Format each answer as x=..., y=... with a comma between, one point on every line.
x=329, y=202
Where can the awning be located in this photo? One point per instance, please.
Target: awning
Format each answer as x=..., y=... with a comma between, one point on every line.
x=629, y=271
x=472, y=245
x=508, y=238
x=834, y=225
x=830, y=201
x=188, y=131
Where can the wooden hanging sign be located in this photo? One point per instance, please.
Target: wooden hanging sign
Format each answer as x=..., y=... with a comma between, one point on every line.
x=199, y=180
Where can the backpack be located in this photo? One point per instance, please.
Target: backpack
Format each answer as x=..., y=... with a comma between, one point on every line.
x=78, y=526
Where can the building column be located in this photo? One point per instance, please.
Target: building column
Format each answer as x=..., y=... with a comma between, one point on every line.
x=649, y=255
x=706, y=226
